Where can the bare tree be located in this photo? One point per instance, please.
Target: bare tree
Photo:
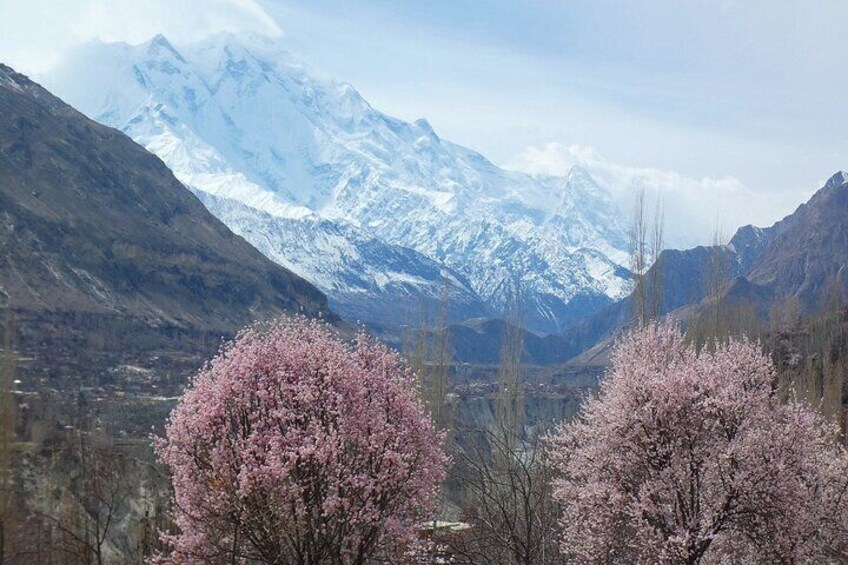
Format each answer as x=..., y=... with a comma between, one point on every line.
x=505, y=480
x=8, y=492
x=655, y=286
x=509, y=506
x=639, y=257
x=646, y=244
x=415, y=340
x=96, y=494
x=811, y=354
x=718, y=319
x=717, y=278
x=438, y=374
x=509, y=400
x=436, y=386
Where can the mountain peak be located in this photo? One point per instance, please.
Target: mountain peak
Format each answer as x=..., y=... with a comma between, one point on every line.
x=831, y=189
x=838, y=179
x=578, y=174
x=581, y=183
x=159, y=44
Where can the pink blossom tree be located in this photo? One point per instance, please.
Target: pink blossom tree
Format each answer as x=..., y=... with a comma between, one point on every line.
x=293, y=446
x=688, y=457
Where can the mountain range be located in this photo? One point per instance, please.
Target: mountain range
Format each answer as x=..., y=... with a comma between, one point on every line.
x=104, y=249
x=794, y=268
x=382, y=215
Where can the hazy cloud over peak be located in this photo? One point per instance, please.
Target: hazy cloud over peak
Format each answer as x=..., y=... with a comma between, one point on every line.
x=36, y=33
x=695, y=209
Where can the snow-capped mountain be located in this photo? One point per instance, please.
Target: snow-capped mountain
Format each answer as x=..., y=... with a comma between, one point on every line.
x=362, y=204
x=369, y=279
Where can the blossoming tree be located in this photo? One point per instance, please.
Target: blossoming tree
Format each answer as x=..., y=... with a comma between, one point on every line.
x=688, y=457
x=295, y=447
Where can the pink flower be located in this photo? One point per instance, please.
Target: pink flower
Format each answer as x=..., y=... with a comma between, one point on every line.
x=293, y=446
x=687, y=457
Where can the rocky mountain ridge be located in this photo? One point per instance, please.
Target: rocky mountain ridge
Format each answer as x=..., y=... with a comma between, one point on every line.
x=103, y=252
x=800, y=262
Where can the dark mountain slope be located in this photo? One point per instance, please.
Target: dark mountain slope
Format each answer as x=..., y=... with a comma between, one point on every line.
x=683, y=279
x=802, y=257
x=810, y=256
x=480, y=340
x=103, y=251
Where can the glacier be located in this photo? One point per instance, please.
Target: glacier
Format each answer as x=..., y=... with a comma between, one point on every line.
x=381, y=214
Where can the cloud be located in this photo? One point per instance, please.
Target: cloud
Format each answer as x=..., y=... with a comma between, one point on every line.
x=36, y=33
x=694, y=208
x=707, y=89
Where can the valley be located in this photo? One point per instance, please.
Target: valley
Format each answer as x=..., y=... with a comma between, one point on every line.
x=207, y=237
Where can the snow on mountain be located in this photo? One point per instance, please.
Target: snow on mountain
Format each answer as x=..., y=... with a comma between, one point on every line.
x=360, y=203
x=368, y=279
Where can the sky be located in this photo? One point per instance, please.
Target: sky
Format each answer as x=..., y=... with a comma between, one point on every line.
x=734, y=111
